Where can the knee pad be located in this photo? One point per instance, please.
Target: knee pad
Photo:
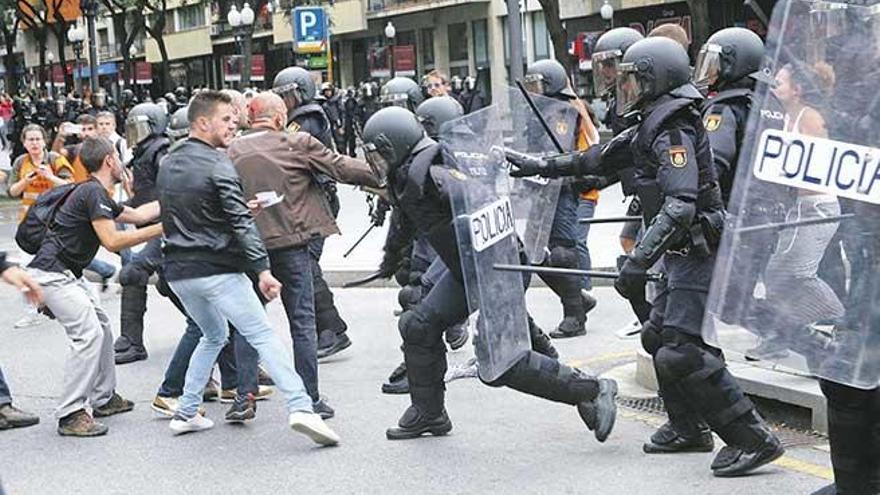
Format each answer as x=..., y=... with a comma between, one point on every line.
x=135, y=273
x=651, y=340
x=563, y=257
x=414, y=328
x=677, y=361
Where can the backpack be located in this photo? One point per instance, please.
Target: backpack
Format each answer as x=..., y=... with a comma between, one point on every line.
x=40, y=218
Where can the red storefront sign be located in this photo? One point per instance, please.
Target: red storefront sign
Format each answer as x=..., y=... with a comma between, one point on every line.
x=143, y=73
x=232, y=65
x=258, y=67
x=405, y=60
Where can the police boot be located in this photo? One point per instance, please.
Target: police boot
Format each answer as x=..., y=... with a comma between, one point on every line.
x=397, y=383
x=426, y=367
x=541, y=343
x=756, y=443
x=132, y=309
x=667, y=440
x=415, y=423
x=600, y=414
x=574, y=318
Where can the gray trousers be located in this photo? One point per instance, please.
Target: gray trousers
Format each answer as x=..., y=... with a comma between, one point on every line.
x=89, y=373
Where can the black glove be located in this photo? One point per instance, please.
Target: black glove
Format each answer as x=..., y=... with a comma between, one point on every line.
x=390, y=264
x=524, y=165
x=631, y=281
x=379, y=212
x=589, y=182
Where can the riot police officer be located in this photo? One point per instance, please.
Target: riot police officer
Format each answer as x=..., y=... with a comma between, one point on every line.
x=395, y=141
x=296, y=87
x=332, y=104
x=401, y=92
x=683, y=209
x=178, y=125
x=549, y=78
x=145, y=131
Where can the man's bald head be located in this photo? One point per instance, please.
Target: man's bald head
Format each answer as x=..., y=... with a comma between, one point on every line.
x=672, y=31
x=268, y=110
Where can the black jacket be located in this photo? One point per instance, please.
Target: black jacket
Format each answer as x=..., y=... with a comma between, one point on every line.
x=145, y=168
x=204, y=213
x=3, y=264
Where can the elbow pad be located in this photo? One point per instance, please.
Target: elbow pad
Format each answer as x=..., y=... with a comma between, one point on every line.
x=666, y=230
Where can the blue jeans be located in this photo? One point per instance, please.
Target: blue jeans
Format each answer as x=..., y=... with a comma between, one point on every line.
x=102, y=268
x=565, y=220
x=5, y=396
x=293, y=268
x=213, y=303
x=586, y=209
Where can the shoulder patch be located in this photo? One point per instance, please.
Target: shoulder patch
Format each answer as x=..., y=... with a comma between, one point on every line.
x=293, y=128
x=678, y=156
x=712, y=122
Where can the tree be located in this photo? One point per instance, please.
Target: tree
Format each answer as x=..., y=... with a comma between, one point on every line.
x=34, y=18
x=154, y=10
x=558, y=34
x=9, y=30
x=699, y=21
x=59, y=25
x=128, y=23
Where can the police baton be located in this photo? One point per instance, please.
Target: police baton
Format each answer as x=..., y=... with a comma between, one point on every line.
x=363, y=281
x=571, y=272
x=787, y=225
x=610, y=219
x=540, y=117
x=360, y=240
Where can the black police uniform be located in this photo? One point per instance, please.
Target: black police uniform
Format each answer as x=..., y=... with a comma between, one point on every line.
x=420, y=197
x=310, y=118
x=135, y=275
x=674, y=172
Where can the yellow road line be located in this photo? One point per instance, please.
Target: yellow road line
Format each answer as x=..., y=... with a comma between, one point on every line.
x=604, y=358
x=785, y=462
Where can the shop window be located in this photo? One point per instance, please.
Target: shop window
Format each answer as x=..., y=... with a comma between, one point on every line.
x=541, y=37
x=481, y=42
x=427, y=46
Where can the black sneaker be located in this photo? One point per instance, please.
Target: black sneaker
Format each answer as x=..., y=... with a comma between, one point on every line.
x=333, y=343
x=264, y=378
x=457, y=336
x=600, y=414
x=569, y=327
x=397, y=383
x=747, y=462
x=132, y=354
x=414, y=424
x=321, y=408
x=668, y=441
x=244, y=408
x=116, y=405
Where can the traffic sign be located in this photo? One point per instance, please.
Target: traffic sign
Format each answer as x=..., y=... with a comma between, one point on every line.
x=309, y=30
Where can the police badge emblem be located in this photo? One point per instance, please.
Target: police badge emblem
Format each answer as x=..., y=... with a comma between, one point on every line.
x=561, y=127
x=712, y=123
x=294, y=127
x=678, y=156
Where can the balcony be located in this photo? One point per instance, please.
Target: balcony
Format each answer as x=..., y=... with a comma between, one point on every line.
x=388, y=8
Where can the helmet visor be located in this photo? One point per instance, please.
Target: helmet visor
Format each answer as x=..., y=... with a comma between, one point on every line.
x=629, y=90
x=394, y=100
x=377, y=161
x=605, y=71
x=137, y=128
x=534, y=83
x=708, y=66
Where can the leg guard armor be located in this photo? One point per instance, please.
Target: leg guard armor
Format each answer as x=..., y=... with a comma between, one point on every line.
x=545, y=377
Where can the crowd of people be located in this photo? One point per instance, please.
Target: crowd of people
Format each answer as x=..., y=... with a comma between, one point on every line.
x=197, y=180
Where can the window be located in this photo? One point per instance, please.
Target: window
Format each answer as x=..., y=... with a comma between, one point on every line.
x=481, y=42
x=191, y=16
x=540, y=37
x=427, y=41
x=458, y=42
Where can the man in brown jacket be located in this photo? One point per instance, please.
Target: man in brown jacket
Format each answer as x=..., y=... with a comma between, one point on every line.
x=277, y=168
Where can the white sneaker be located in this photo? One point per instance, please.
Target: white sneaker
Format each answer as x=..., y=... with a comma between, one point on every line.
x=312, y=426
x=197, y=423
x=31, y=319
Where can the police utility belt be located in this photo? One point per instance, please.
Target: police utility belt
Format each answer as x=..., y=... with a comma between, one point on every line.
x=704, y=234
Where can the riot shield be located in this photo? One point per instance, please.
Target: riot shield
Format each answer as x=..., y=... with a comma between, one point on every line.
x=796, y=281
x=484, y=226
x=534, y=198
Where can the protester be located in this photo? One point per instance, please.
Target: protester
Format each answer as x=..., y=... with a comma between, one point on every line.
x=84, y=222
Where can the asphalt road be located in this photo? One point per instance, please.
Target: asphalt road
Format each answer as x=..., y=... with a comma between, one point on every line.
x=502, y=442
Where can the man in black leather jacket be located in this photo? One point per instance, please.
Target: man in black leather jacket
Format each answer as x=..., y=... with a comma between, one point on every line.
x=211, y=241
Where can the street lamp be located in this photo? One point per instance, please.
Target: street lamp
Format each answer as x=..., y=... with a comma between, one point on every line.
x=90, y=9
x=132, y=53
x=607, y=13
x=243, y=27
x=390, y=33
x=76, y=35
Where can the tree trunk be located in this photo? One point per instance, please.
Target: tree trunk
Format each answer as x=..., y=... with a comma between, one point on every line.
x=558, y=33
x=700, y=22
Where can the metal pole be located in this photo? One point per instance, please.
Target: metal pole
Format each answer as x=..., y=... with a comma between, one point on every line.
x=514, y=31
x=91, y=12
x=77, y=71
x=391, y=55
x=246, y=67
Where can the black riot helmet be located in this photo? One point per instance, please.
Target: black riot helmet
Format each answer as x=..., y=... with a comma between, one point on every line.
x=294, y=83
x=650, y=68
x=143, y=121
x=435, y=112
x=127, y=97
x=181, y=94
x=390, y=136
x=548, y=77
x=607, y=53
x=178, y=127
x=401, y=92
x=728, y=56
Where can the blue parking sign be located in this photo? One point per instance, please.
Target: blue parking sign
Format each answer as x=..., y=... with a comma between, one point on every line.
x=309, y=29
